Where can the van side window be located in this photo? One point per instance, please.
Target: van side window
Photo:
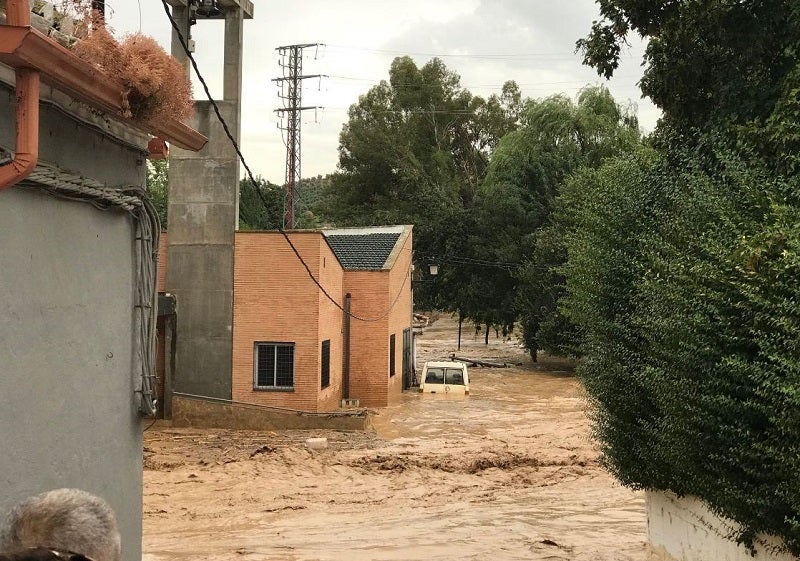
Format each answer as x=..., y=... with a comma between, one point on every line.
x=435, y=376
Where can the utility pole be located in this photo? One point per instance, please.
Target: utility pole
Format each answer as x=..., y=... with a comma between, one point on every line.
x=291, y=92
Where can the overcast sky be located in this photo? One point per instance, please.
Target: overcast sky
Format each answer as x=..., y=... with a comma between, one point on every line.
x=485, y=41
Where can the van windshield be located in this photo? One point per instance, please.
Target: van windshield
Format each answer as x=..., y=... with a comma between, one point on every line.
x=434, y=376
x=454, y=376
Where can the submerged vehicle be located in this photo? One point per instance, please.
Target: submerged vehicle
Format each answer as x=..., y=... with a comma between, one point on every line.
x=445, y=377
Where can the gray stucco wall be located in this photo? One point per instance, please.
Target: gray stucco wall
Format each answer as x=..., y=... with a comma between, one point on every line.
x=67, y=409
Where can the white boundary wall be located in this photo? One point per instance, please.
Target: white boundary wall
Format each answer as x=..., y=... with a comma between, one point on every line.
x=684, y=529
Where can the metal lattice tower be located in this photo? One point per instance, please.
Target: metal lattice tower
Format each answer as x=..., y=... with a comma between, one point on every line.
x=291, y=92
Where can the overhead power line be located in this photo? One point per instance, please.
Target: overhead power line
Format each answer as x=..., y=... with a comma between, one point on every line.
x=537, y=85
x=487, y=56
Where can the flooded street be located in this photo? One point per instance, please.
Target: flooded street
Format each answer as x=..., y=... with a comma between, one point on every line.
x=505, y=473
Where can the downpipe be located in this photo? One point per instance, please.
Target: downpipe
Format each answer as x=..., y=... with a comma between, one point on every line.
x=26, y=150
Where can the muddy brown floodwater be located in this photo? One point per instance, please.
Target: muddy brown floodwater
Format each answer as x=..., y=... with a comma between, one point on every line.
x=505, y=473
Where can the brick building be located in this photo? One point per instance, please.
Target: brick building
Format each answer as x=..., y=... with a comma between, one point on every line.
x=293, y=345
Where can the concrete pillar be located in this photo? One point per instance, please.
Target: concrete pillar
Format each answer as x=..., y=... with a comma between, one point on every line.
x=181, y=17
x=203, y=216
x=232, y=62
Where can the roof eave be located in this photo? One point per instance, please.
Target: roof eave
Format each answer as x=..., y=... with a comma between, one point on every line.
x=25, y=47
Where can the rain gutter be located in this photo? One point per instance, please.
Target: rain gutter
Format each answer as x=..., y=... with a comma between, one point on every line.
x=34, y=56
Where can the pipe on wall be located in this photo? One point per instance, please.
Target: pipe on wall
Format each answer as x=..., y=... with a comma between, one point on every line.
x=26, y=150
x=346, y=349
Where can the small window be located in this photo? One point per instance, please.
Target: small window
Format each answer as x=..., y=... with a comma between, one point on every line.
x=274, y=366
x=392, y=370
x=326, y=363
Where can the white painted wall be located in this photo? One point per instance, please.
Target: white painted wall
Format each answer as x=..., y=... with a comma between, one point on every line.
x=684, y=529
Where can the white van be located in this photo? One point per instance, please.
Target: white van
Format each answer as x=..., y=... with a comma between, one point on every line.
x=445, y=377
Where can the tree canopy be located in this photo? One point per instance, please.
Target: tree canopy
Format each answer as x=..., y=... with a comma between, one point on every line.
x=683, y=263
x=527, y=171
x=415, y=145
x=415, y=150
x=706, y=62
x=477, y=177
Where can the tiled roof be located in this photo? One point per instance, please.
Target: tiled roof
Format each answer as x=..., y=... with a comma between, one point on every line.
x=363, y=251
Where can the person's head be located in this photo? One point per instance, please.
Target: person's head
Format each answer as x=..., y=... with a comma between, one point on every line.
x=64, y=520
x=43, y=554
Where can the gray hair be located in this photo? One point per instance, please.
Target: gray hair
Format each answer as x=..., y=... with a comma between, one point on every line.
x=68, y=519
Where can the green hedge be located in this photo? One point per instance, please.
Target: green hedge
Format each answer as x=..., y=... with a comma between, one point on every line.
x=684, y=277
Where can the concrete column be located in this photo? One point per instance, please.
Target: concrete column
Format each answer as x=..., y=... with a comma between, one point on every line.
x=180, y=15
x=232, y=71
x=203, y=216
x=232, y=75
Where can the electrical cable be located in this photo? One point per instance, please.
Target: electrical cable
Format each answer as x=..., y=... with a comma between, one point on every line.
x=486, y=56
x=250, y=175
x=538, y=85
x=136, y=202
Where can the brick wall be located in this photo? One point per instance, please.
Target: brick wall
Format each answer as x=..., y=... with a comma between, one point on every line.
x=373, y=293
x=275, y=301
x=369, y=340
x=330, y=327
x=400, y=319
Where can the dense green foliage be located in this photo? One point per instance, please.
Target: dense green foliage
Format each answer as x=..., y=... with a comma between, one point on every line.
x=682, y=272
x=414, y=151
x=683, y=275
x=415, y=147
x=262, y=206
x=715, y=61
x=158, y=187
x=527, y=171
x=476, y=177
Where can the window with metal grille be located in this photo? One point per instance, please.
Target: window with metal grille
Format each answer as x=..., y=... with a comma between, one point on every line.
x=326, y=363
x=392, y=360
x=274, y=366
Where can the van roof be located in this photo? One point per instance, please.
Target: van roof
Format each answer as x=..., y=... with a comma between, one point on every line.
x=445, y=364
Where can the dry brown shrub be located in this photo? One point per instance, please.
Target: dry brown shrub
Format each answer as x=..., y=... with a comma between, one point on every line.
x=102, y=50
x=85, y=18
x=158, y=87
x=157, y=78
